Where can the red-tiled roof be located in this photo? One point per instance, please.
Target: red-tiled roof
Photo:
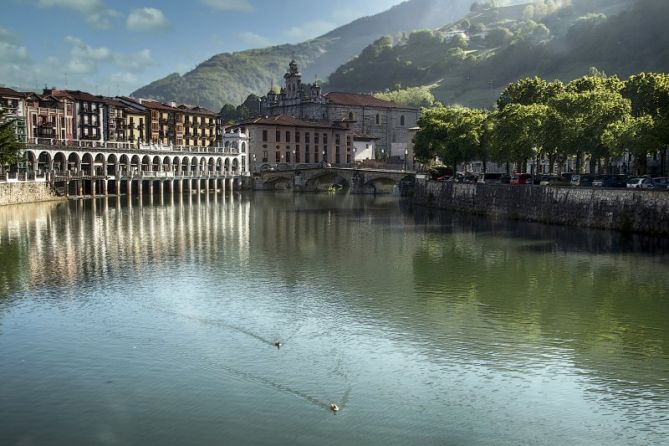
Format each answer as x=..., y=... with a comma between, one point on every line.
x=359, y=100
x=11, y=93
x=154, y=105
x=77, y=95
x=290, y=121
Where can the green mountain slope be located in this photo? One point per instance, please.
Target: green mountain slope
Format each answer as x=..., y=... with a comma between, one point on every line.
x=231, y=77
x=470, y=61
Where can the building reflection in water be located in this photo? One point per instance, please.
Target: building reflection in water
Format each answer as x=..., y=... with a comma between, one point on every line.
x=63, y=244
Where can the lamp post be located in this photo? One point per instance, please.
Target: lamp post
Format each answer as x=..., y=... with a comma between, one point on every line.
x=355, y=152
x=294, y=160
x=406, y=154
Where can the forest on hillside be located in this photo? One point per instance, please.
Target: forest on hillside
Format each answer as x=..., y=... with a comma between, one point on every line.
x=470, y=61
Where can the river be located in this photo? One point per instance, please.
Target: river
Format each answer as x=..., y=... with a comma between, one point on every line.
x=152, y=322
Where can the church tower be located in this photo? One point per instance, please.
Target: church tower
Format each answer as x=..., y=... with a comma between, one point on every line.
x=293, y=80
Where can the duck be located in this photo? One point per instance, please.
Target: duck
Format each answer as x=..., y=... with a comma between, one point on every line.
x=278, y=344
x=334, y=407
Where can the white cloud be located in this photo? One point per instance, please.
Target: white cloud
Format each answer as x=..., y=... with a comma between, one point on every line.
x=147, y=19
x=84, y=59
x=15, y=60
x=229, y=5
x=310, y=30
x=95, y=12
x=253, y=39
x=135, y=62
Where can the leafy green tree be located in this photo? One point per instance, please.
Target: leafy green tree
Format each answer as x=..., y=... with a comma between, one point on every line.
x=584, y=117
x=11, y=150
x=649, y=94
x=413, y=96
x=518, y=133
x=451, y=133
x=636, y=134
x=532, y=90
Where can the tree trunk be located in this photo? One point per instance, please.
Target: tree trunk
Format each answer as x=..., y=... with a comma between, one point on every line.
x=578, y=162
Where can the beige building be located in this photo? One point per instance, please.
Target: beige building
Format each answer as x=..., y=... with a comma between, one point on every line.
x=286, y=141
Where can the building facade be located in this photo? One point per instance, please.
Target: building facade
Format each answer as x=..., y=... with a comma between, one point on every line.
x=14, y=105
x=386, y=121
x=289, y=141
x=50, y=116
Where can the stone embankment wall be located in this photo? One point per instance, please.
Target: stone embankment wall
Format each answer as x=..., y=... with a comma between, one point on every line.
x=26, y=192
x=614, y=209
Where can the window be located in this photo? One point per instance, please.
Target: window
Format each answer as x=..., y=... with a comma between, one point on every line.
x=297, y=137
x=297, y=154
x=265, y=156
x=243, y=147
x=278, y=157
x=402, y=120
x=378, y=119
x=337, y=139
x=307, y=137
x=306, y=155
x=264, y=135
x=350, y=116
x=288, y=156
x=287, y=136
x=325, y=139
x=315, y=138
x=278, y=136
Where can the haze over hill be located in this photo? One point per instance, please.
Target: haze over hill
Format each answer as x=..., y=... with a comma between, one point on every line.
x=231, y=77
x=469, y=62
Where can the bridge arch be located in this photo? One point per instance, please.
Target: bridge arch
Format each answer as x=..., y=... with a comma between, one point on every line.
x=73, y=162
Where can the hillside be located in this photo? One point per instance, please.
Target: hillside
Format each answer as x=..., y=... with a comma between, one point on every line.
x=470, y=61
x=231, y=77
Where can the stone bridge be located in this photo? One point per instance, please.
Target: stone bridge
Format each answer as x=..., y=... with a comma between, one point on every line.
x=320, y=179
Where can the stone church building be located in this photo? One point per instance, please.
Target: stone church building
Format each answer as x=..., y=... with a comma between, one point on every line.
x=366, y=116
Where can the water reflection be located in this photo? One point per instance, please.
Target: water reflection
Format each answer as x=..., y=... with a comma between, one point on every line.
x=510, y=331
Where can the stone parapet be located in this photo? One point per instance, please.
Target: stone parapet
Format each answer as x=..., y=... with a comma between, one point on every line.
x=27, y=192
x=625, y=210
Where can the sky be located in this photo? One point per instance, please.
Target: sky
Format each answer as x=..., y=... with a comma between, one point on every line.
x=113, y=47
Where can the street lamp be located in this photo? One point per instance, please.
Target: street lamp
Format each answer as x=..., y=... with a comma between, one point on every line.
x=406, y=154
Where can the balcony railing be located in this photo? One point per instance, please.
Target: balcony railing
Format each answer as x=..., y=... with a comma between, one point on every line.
x=108, y=145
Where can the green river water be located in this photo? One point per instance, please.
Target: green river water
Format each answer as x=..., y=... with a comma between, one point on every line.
x=151, y=322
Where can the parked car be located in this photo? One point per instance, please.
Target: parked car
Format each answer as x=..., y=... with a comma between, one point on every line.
x=491, y=178
x=661, y=182
x=582, y=180
x=552, y=180
x=521, y=179
x=505, y=179
x=640, y=183
x=610, y=181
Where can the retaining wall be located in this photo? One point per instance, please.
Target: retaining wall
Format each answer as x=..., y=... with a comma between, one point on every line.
x=614, y=209
x=26, y=192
